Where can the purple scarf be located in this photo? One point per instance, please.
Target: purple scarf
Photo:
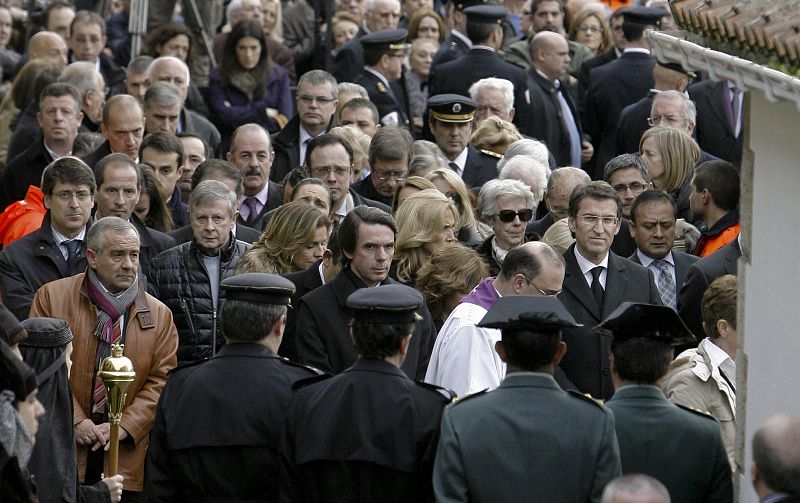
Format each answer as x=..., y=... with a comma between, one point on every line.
x=483, y=295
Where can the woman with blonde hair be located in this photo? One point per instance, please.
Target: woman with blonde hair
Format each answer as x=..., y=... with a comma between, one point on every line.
x=405, y=188
x=671, y=156
x=591, y=30
x=494, y=135
x=294, y=240
x=425, y=222
x=451, y=185
x=451, y=274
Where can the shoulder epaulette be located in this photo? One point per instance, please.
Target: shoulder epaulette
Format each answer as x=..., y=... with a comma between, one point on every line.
x=447, y=393
x=187, y=365
x=493, y=154
x=697, y=411
x=301, y=365
x=381, y=87
x=302, y=383
x=473, y=395
x=586, y=397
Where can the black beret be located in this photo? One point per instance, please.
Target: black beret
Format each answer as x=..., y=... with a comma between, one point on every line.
x=15, y=375
x=258, y=287
x=385, y=304
x=527, y=312
x=486, y=14
x=386, y=40
x=452, y=108
x=639, y=14
x=646, y=320
x=46, y=333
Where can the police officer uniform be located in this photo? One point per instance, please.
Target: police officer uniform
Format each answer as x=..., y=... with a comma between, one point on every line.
x=475, y=167
x=388, y=96
x=218, y=421
x=680, y=447
x=369, y=433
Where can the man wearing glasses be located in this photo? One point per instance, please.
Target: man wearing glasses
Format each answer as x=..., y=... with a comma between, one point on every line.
x=58, y=249
x=317, y=95
x=596, y=282
x=384, y=53
x=389, y=153
x=464, y=358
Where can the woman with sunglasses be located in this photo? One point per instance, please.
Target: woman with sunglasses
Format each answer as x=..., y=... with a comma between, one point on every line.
x=507, y=206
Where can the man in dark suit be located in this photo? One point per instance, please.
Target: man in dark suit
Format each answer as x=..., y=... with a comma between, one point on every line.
x=450, y=117
x=653, y=220
x=366, y=237
x=619, y=83
x=682, y=448
x=633, y=121
x=596, y=282
x=383, y=66
x=59, y=117
x=86, y=42
x=251, y=152
x=369, y=433
x=348, y=62
x=58, y=249
x=552, y=112
x=719, y=119
x=227, y=173
x=613, y=52
x=775, y=465
x=122, y=127
x=481, y=61
x=699, y=276
x=457, y=43
x=317, y=95
x=197, y=447
x=480, y=456
x=389, y=154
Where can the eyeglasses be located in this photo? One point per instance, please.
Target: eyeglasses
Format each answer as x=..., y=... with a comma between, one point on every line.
x=322, y=172
x=559, y=212
x=590, y=29
x=546, y=293
x=634, y=187
x=669, y=119
x=591, y=220
x=507, y=216
x=322, y=100
x=68, y=195
x=398, y=176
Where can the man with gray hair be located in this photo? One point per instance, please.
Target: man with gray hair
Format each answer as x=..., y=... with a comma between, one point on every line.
x=560, y=185
x=316, y=101
x=636, y=488
x=173, y=70
x=776, y=460
x=529, y=171
x=495, y=97
x=105, y=305
x=136, y=76
x=464, y=357
x=162, y=108
x=92, y=88
x=187, y=276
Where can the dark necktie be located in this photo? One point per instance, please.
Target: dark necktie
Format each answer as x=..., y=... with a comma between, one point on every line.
x=73, y=251
x=252, y=214
x=665, y=283
x=597, y=288
x=453, y=166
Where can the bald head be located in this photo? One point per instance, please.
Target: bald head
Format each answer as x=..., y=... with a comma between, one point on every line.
x=637, y=488
x=550, y=53
x=776, y=456
x=170, y=69
x=560, y=186
x=666, y=79
x=48, y=45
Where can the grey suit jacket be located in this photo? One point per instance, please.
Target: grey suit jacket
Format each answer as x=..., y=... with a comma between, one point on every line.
x=682, y=263
x=586, y=367
x=527, y=440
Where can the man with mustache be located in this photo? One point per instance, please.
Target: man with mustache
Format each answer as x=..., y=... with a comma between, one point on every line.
x=251, y=152
x=57, y=249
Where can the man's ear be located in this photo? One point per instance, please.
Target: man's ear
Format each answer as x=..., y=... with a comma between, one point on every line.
x=561, y=350
x=501, y=351
x=91, y=258
x=327, y=257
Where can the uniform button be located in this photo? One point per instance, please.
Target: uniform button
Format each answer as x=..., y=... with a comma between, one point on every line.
x=605, y=372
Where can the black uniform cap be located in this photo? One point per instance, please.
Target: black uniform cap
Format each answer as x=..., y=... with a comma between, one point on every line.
x=646, y=320
x=386, y=40
x=644, y=15
x=463, y=4
x=486, y=14
x=528, y=312
x=386, y=304
x=258, y=287
x=452, y=108
x=677, y=67
x=46, y=333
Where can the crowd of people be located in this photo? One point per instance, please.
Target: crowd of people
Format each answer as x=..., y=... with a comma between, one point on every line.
x=315, y=226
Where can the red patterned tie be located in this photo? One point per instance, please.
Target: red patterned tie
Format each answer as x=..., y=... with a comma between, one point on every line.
x=99, y=388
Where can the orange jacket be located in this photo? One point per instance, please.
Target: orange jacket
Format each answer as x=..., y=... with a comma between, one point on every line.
x=22, y=217
x=720, y=234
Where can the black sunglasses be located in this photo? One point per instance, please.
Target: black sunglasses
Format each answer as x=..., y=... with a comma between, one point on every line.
x=509, y=215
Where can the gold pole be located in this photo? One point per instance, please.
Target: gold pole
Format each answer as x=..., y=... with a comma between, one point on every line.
x=116, y=372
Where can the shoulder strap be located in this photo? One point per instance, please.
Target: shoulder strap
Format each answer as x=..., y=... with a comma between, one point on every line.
x=52, y=369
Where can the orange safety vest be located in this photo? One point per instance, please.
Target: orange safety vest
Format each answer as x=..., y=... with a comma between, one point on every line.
x=22, y=217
